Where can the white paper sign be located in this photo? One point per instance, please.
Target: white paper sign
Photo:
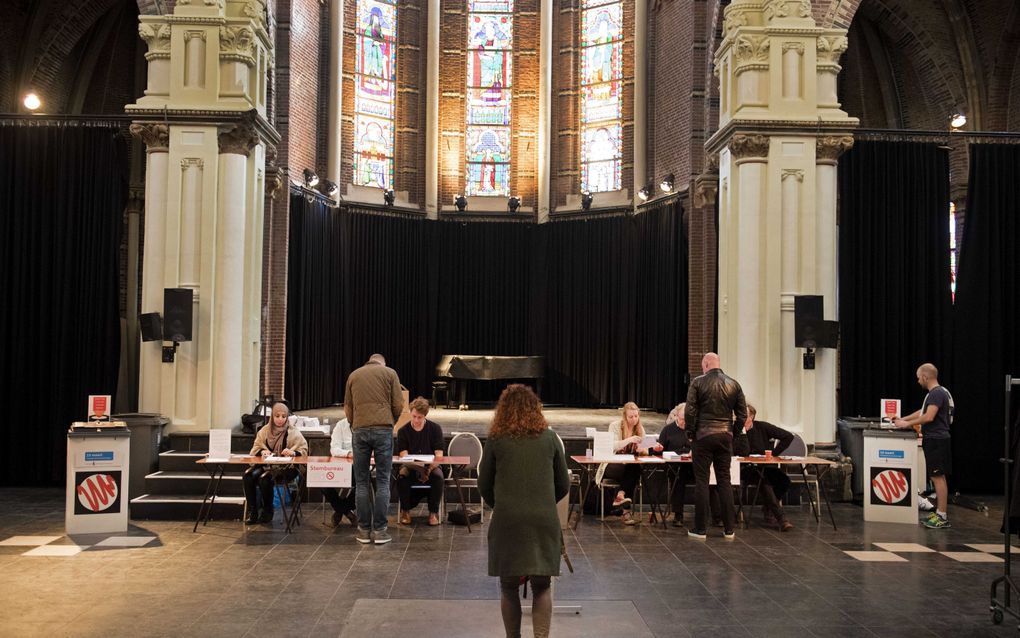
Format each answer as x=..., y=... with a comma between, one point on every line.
x=329, y=474
x=889, y=409
x=219, y=444
x=649, y=440
x=99, y=407
x=603, y=445
x=734, y=472
x=589, y=433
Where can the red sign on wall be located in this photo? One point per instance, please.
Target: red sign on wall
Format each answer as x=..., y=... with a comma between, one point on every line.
x=890, y=486
x=97, y=493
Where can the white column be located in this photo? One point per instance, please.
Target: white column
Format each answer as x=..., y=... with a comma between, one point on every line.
x=749, y=302
x=640, y=92
x=228, y=294
x=789, y=407
x=544, y=109
x=157, y=164
x=336, y=48
x=432, y=114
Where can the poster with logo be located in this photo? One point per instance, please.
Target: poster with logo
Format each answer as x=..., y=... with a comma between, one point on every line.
x=890, y=409
x=890, y=486
x=97, y=492
x=99, y=407
x=329, y=474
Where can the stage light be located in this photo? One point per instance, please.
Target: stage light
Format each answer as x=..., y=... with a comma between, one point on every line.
x=667, y=183
x=331, y=188
x=959, y=120
x=32, y=101
x=513, y=204
x=586, y=200
x=389, y=196
x=311, y=179
x=646, y=191
x=460, y=202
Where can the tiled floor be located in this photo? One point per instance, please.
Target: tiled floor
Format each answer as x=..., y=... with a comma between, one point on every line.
x=224, y=581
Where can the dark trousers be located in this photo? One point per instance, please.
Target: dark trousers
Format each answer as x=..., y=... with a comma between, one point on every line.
x=263, y=477
x=628, y=475
x=341, y=505
x=774, y=486
x=412, y=490
x=713, y=450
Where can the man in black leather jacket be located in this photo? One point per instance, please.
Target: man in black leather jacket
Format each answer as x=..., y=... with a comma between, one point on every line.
x=715, y=402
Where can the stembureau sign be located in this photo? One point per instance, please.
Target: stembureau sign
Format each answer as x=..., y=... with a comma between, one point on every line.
x=329, y=474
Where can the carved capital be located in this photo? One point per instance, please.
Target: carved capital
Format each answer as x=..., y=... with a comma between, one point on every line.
x=792, y=173
x=238, y=140
x=237, y=41
x=705, y=190
x=712, y=163
x=256, y=10
x=750, y=48
x=274, y=182
x=787, y=9
x=749, y=146
x=156, y=36
x=831, y=47
x=830, y=147
x=155, y=136
x=188, y=35
x=793, y=46
x=197, y=162
x=733, y=19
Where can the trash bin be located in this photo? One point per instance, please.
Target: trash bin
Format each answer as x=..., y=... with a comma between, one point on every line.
x=146, y=437
x=850, y=432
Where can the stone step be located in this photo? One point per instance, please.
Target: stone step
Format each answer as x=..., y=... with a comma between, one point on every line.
x=182, y=483
x=167, y=507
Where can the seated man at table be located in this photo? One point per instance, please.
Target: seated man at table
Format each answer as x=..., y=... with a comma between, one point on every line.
x=761, y=436
x=673, y=438
x=277, y=438
x=416, y=480
x=340, y=447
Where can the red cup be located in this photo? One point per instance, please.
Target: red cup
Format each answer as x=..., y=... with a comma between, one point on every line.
x=768, y=455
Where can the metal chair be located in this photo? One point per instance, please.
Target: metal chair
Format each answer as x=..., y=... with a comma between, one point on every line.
x=799, y=448
x=465, y=444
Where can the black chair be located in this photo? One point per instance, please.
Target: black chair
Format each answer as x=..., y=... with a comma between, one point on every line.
x=437, y=387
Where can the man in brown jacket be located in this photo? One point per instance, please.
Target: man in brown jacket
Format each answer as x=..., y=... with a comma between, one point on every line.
x=373, y=403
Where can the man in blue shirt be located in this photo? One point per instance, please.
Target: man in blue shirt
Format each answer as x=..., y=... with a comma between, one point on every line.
x=933, y=421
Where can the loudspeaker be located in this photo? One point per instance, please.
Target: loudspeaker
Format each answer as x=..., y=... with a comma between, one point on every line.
x=806, y=309
x=152, y=326
x=177, y=314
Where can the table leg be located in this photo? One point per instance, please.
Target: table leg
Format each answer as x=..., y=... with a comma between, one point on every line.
x=811, y=499
x=825, y=496
x=583, y=493
x=205, y=509
x=460, y=495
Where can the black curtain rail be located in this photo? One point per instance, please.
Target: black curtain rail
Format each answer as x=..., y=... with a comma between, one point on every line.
x=65, y=121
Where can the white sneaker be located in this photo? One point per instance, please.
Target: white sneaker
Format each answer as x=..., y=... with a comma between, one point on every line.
x=924, y=504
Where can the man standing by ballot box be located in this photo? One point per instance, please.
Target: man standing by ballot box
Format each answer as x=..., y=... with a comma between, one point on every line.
x=715, y=411
x=372, y=404
x=933, y=421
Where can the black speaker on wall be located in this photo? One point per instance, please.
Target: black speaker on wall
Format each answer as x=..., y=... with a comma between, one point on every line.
x=152, y=326
x=177, y=312
x=810, y=328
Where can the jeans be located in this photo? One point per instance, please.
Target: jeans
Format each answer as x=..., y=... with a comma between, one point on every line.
x=369, y=441
x=713, y=450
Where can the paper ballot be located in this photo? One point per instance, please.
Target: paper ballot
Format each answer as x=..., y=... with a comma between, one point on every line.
x=649, y=440
x=603, y=445
x=219, y=444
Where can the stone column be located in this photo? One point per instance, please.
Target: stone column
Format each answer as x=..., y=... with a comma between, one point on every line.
x=336, y=47
x=432, y=114
x=157, y=146
x=781, y=129
x=640, y=97
x=544, y=110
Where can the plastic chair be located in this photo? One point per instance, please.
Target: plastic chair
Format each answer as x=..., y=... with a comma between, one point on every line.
x=799, y=448
x=465, y=444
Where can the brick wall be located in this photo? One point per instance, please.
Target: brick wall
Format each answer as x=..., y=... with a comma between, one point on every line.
x=297, y=79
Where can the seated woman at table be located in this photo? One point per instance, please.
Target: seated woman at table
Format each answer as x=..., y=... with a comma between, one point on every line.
x=340, y=446
x=276, y=438
x=416, y=480
x=627, y=433
x=673, y=438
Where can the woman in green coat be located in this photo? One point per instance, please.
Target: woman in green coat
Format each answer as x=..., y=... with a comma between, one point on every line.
x=522, y=475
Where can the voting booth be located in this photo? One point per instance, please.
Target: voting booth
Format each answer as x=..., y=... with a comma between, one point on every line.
x=891, y=476
x=98, y=467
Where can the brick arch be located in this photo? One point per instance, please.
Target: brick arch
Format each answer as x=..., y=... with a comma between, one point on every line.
x=835, y=13
x=1002, y=74
x=152, y=7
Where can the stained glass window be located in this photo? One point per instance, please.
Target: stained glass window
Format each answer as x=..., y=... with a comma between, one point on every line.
x=489, y=79
x=952, y=250
x=601, y=95
x=375, y=92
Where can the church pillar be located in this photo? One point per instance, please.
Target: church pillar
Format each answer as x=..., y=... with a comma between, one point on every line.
x=432, y=113
x=640, y=98
x=780, y=132
x=204, y=203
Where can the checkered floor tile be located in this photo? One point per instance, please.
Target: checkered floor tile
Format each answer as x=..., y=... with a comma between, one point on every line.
x=891, y=552
x=45, y=546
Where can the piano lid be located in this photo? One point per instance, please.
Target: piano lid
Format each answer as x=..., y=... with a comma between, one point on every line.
x=458, y=366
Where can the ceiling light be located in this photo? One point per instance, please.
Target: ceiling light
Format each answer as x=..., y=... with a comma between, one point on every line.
x=331, y=188
x=389, y=197
x=959, y=120
x=311, y=179
x=586, y=199
x=667, y=183
x=461, y=203
x=32, y=102
x=646, y=191
x=513, y=204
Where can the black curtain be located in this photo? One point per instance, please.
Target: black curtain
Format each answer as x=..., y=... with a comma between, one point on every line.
x=894, y=281
x=986, y=344
x=605, y=301
x=62, y=197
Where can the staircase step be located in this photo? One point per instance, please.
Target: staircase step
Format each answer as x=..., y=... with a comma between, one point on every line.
x=166, y=507
x=191, y=483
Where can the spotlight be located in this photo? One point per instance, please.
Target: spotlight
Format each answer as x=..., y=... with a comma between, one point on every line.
x=389, y=196
x=331, y=188
x=586, y=199
x=959, y=120
x=311, y=179
x=646, y=191
x=460, y=202
x=32, y=101
x=667, y=183
x=513, y=204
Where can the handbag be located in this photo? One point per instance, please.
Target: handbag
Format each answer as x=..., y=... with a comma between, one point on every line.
x=250, y=423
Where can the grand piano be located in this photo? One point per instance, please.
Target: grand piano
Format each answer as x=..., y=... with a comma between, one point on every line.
x=462, y=369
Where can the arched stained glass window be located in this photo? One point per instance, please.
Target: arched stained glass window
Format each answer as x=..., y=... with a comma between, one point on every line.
x=489, y=78
x=601, y=94
x=375, y=92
